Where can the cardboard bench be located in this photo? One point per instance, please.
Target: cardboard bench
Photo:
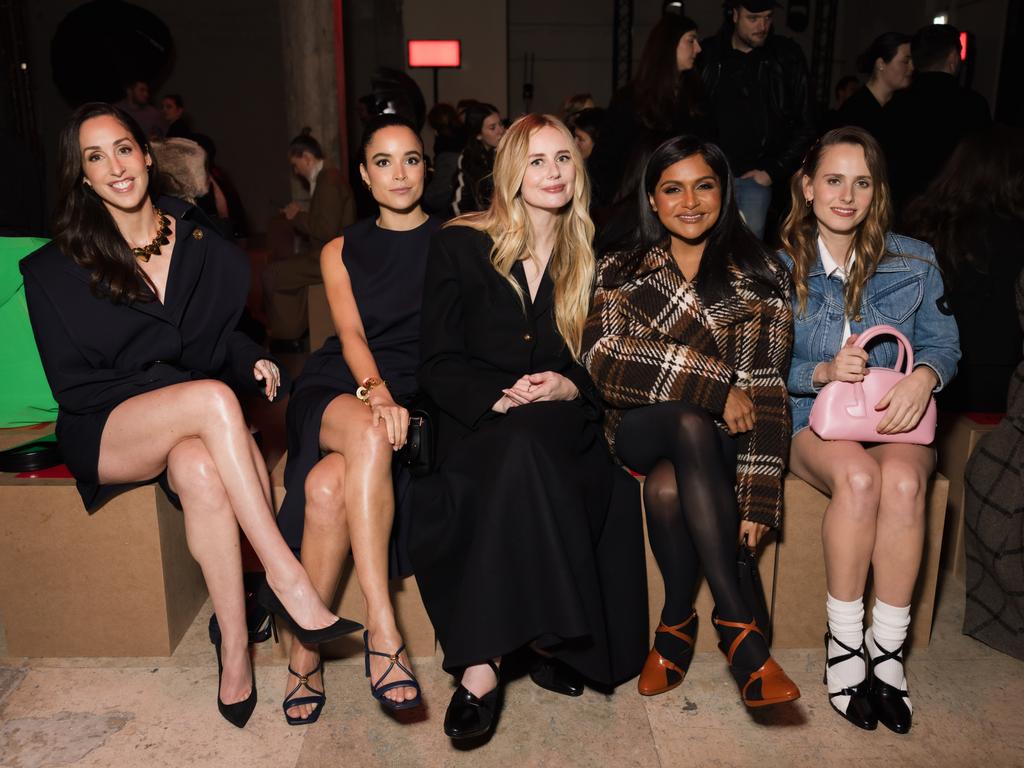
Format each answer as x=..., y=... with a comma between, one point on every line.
x=956, y=439
x=411, y=615
x=120, y=582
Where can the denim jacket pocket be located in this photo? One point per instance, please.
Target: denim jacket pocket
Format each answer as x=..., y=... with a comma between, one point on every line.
x=897, y=301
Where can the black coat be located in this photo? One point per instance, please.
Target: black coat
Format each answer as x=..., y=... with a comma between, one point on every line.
x=475, y=338
x=527, y=531
x=927, y=121
x=97, y=354
x=787, y=128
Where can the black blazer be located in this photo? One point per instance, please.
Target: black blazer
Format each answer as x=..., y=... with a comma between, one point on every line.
x=97, y=354
x=476, y=339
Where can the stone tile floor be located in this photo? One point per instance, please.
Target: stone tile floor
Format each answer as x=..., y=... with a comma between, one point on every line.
x=156, y=712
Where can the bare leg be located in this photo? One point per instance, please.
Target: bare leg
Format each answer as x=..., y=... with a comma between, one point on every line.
x=479, y=679
x=900, y=541
x=142, y=431
x=844, y=470
x=212, y=533
x=325, y=546
x=369, y=506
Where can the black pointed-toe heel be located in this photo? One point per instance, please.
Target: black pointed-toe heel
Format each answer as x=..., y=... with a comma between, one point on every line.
x=341, y=627
x=237, y=714
x=859, y=711
x=470, y=716
x=888, y=701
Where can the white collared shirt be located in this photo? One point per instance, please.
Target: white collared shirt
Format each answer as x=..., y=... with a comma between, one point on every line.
x=833, y=269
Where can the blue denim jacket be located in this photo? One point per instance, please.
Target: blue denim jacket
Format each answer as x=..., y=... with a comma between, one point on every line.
x=905, y=292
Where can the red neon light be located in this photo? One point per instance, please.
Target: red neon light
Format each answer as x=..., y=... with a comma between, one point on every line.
x=435, y=53
x=963, y=46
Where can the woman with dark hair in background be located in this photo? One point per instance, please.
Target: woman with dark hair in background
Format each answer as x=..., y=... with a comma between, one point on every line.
x=349, y=407
x=665, y=99
x=287, y=278
x=973, y=215
x=473, y=183
x=850, y=273
x=688, y=342
x=890, y=68
x=448, y=143
x=134, y=311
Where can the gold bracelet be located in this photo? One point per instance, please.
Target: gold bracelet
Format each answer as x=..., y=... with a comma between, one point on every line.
x=363, y=392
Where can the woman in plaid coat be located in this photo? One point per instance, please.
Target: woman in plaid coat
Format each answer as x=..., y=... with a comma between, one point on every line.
x=688, y=342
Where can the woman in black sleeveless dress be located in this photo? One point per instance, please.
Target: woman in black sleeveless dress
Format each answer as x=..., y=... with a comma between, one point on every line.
x=347, y=417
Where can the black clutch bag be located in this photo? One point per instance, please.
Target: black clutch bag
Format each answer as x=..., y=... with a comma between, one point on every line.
x=419, y=452
x=752, y=589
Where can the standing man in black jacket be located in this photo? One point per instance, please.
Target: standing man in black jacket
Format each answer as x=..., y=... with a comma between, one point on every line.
x=757, y=84
x=931, y=116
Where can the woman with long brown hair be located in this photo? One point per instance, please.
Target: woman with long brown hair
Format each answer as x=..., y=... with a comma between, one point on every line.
x=849, y=274
x=134, y=310
x=516, y=539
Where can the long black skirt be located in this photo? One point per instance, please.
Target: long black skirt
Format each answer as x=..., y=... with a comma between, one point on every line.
x=528, y=532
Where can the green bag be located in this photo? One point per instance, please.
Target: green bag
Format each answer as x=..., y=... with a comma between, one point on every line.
x=25, y=396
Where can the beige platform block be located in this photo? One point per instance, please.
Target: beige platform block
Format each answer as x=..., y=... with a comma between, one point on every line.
x=799, y=619
x=707, y=637
x=956, y=439
x=117, y=583
x=413, y=622
x=321, y=326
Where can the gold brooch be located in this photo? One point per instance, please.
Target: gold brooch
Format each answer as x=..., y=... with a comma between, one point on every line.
x=197, y=234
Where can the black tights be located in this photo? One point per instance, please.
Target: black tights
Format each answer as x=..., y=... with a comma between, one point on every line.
x=692, y=517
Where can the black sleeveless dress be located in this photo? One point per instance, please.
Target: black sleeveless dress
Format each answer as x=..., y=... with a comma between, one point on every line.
x=386, y=268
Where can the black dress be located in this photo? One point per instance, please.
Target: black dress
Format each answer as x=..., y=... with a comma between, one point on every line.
x=527, y=532
x=386, y=270
x=862, y=110
x=97, y=354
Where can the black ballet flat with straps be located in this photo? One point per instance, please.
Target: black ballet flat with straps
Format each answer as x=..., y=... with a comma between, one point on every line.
x=859, y=710
x=888, y=701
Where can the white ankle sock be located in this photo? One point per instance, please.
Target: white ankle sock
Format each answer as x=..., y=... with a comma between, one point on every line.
x=889, y=625
x=846, y=624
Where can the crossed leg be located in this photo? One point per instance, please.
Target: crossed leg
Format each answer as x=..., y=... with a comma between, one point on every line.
x=350, y=503
x=196, y=430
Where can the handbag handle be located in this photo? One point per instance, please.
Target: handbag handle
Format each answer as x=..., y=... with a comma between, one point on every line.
x=887, y=330
x=858, y=408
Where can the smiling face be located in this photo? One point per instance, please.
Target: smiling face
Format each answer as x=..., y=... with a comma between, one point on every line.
x=393, y=168
x=688, y=198
x=687, y=50
x=550, y=179
x=491, y=130
x=842, y=189
x=113, y=164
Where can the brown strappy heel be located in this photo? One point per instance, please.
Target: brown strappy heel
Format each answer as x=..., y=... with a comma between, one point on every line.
x=660, y=674
x=763, y=686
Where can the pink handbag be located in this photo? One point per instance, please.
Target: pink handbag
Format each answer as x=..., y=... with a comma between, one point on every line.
x=846, y=410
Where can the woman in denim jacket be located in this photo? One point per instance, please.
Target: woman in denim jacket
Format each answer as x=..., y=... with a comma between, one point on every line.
x=851, y=273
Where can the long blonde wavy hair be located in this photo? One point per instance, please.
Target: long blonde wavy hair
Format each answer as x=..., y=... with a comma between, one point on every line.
x=800, y=230
x=571, y=266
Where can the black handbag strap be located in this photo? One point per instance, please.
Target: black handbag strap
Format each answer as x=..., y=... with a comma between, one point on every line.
x=31, y=457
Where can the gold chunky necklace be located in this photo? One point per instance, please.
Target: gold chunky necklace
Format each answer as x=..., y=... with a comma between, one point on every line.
x=163, y=229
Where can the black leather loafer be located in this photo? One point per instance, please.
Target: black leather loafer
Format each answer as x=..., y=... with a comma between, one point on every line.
x=557, y=677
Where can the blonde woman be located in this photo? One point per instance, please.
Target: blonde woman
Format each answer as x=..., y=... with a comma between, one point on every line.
x=516, y=540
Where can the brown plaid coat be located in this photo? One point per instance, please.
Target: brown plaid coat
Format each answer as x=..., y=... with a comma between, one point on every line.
x=650, y=339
